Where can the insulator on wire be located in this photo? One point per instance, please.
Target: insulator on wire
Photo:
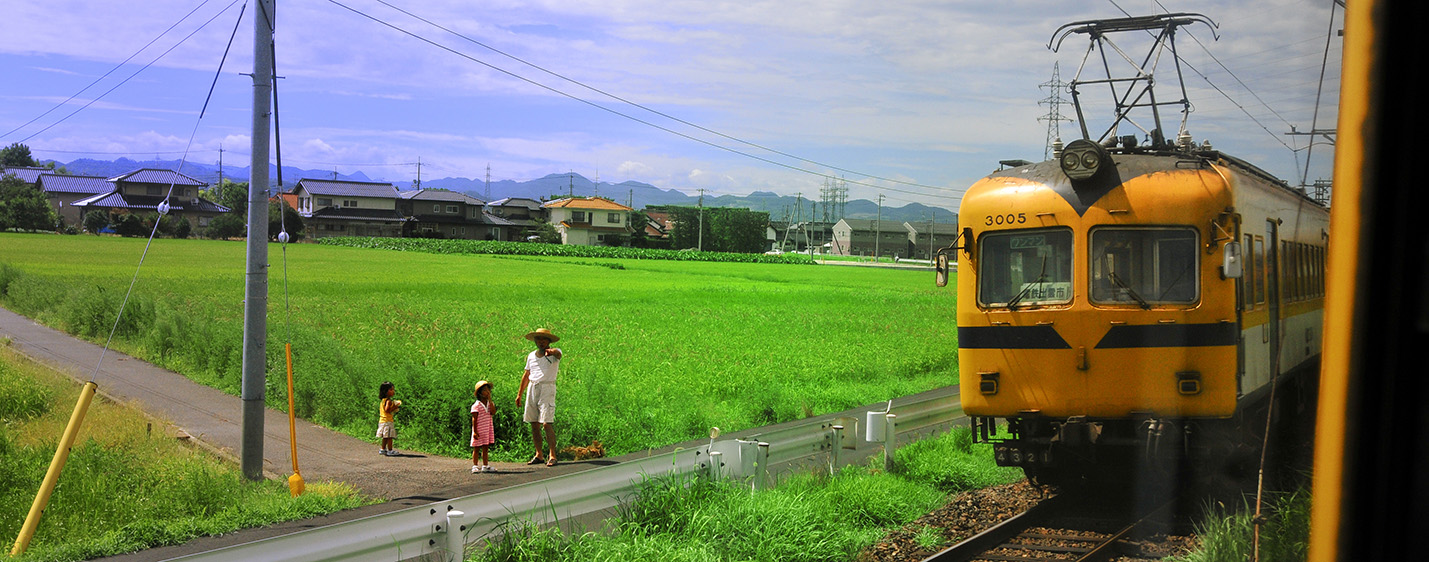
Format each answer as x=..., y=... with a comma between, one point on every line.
x=283, y=237
x=164, y=207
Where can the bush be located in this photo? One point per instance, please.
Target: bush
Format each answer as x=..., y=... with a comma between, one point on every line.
x=227, y=225
x=131, y=225
x=95, y=221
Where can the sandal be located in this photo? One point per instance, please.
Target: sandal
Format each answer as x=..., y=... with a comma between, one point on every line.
x=535, y=460
x=551, y=462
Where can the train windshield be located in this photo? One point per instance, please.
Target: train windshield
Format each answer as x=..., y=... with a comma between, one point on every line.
x=1025, y=267
x=1144, y=266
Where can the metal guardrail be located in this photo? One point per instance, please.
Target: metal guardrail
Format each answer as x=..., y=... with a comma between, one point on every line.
x=435, y=531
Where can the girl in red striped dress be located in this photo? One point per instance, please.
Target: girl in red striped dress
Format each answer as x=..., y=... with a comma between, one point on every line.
x=483, y=434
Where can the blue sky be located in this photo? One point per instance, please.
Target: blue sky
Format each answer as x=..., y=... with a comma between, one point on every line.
x=928, y=92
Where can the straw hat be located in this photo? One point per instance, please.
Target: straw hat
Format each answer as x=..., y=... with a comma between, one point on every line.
x=480, y=384
x=544, y=333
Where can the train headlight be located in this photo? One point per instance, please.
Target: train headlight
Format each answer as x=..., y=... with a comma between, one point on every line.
x=1083, y=159
x=987, y=383
x=1188, y=382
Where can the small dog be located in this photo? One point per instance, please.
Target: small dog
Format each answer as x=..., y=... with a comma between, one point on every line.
x=594, y=451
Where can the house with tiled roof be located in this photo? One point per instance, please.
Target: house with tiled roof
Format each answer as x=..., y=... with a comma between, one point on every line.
x=26, y=174
x=590, y=221
x=442, y=213
x=63, y=191
x=142, y=191
x=348, y=208
x=519, y=214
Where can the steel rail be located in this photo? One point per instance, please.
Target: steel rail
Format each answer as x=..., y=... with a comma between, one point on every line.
x=1000, y=533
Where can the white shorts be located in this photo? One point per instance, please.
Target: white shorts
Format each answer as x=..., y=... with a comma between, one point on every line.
x=386, y=430
x=540, y=403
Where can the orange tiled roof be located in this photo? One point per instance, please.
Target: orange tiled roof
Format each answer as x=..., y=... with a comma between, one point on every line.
x=587, y=203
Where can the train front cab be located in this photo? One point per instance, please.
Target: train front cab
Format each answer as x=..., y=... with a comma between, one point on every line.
x=1101, y=327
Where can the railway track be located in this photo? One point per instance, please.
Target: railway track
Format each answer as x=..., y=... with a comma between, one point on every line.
x=1066, y=527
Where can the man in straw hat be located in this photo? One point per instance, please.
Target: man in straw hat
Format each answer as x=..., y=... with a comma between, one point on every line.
x=538, y=387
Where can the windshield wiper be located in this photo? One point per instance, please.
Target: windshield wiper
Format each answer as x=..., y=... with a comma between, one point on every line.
x=1174, y=282
x=1041, y=276
x=1116, y=280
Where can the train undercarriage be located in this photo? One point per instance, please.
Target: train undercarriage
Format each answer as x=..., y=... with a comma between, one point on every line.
x=1083, y=450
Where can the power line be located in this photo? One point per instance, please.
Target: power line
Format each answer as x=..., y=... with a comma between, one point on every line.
x=111, y=71
x=632, y=117
x=126, y=80
x=649, y=109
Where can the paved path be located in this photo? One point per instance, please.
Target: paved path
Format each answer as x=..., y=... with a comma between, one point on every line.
x=213, y=419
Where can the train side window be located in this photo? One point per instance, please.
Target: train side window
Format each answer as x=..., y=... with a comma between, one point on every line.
x=1248, y=280
x=1259, y=270
x=1293, y=271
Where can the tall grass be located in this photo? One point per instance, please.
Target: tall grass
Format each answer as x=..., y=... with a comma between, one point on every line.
x=127, y=485
x=1226, y=534
x=656, y=351
x=807, y=517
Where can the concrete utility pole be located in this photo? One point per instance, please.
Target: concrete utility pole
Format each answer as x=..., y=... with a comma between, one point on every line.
x=255, y=287
x=701, y=246
x=930, y=234
x=878, y=229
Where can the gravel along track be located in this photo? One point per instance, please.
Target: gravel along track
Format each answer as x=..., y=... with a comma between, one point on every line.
x=1064, y=537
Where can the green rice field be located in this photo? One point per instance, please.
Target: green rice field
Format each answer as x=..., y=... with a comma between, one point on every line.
x=656, y=351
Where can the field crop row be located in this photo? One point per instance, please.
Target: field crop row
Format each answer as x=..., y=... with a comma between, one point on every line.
x=443, y=246
x=656, y=351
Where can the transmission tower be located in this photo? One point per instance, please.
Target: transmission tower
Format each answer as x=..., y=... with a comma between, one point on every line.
x=488, y=183
x=1054, y=103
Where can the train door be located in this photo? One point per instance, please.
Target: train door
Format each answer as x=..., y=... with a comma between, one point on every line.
x=1272, y=297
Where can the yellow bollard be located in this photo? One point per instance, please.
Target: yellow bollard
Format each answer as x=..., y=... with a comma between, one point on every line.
x=52, y=476
x=295, y=482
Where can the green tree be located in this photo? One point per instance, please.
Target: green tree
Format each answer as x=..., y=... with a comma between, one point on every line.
x=229, y=194
x=276, y=220
x=726, y=229
x=227, y=225
x=23, y=206
x=131, y=225
x=95, y=221
x=544, y=232
x=16, y=156
x=173, y=226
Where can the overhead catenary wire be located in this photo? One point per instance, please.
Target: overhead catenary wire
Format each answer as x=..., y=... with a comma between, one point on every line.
x=1218, y=88
x=433, y=43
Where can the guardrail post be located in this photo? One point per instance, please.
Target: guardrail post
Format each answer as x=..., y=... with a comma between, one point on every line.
x=456, y=536
x=890, y=441
x=716, y=459
x=838, y=445
x=761, y=468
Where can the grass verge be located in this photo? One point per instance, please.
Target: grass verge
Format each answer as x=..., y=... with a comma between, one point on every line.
x=1226, y=533
x=129, y=484
x=807, y=517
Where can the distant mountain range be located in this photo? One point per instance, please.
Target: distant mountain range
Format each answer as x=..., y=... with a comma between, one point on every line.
x=633, y=193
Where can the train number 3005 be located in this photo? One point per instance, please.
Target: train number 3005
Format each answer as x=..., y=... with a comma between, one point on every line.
x=1009, y=218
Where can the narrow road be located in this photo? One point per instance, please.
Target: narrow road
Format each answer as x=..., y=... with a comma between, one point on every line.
x=213, y=419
